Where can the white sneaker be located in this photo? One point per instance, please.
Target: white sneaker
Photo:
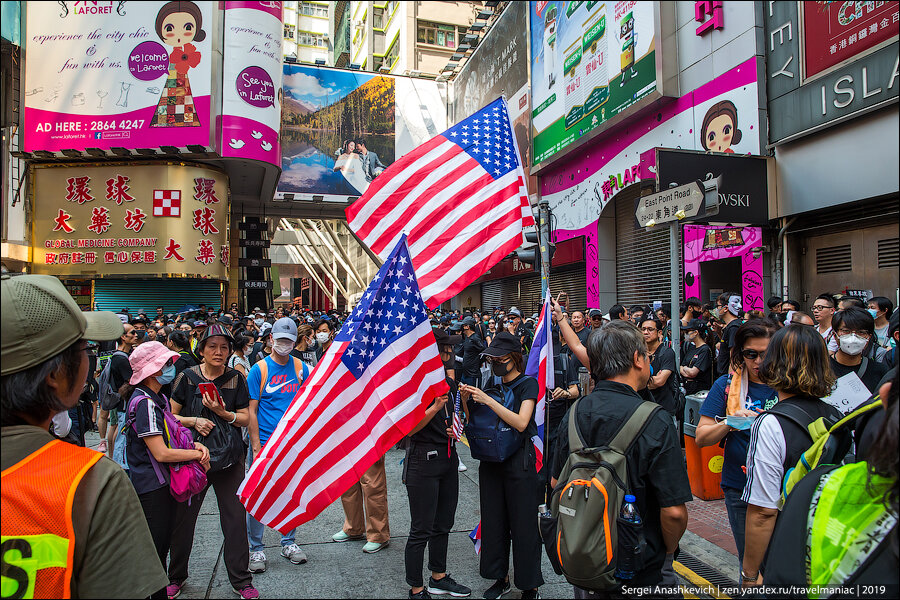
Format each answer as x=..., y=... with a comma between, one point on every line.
x=294, y=553
x=462, y=468
x=258, y=562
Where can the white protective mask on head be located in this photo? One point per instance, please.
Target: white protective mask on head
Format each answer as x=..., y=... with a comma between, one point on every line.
x=852, y=344
x=322, y=337
x=283, y=347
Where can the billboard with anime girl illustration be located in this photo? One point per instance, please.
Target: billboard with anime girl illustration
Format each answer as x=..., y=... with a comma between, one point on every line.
x=117, y=74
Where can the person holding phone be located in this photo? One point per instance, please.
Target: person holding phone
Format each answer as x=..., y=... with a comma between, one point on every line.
x=213, y=400
x=432, y=482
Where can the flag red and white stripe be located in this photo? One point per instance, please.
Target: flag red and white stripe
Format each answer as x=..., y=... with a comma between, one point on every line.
x=540, y=366
x=365, y=394
x=460, y=198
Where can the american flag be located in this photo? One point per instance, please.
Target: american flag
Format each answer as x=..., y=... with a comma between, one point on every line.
x=459, y=197
x=369, y=390
x=457, y=422
x=540, y=366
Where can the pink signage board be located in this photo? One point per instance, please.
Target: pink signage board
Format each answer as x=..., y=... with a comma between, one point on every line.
x=702, y=244
x=252, y=82
x=117, y=74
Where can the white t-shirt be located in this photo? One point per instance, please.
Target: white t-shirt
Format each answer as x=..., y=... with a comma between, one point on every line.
x=831, y=339
x=765, y=463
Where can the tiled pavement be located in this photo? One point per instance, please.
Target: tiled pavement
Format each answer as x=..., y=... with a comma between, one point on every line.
x=709, y=520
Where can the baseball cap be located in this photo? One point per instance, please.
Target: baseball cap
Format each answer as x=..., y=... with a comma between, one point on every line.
x=455, y=325
x=595, y=313
x=199, y=324
x=469, y=321
x=693, y=324
x=147, y=359
x=284, y=328
x=514, y=312
x=40, y=319
x=502, y=344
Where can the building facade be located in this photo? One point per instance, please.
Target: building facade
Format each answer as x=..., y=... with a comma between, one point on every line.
x=306, y=32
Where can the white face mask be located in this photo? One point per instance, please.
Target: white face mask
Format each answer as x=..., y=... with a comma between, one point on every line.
x=852, y=344
x=283, y=347
x=322, y=337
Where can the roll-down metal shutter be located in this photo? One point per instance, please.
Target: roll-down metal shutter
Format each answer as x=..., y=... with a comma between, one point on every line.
x=492, y=295
x=642, y=256
x=571, y=280
x=147, y=294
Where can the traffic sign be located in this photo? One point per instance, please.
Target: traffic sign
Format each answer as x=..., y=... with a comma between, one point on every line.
x=684, y=202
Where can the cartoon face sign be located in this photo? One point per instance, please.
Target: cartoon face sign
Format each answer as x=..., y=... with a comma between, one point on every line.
x=627, y=27
x=179, y=28
x=720, y=133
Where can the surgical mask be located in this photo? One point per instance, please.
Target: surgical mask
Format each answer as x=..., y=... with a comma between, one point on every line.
x=258, y=322
x=873, y=312
x=322, y=337
x=168, y=374
x=283, y=347
x=739, y=423
x=852, y=344
x=500, y=369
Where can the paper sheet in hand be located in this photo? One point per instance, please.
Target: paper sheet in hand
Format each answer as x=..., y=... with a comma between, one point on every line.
x=849, y=393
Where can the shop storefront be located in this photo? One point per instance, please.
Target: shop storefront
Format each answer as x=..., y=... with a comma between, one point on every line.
x=131, y=235
x=833, y=127
x=702, y=96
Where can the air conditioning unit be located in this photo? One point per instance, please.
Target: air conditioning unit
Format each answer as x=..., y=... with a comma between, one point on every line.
x=359, y=23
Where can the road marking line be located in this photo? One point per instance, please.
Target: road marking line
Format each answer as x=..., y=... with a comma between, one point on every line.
x=699, y=581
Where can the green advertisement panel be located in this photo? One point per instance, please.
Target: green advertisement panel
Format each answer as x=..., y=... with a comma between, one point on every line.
x=589, y=62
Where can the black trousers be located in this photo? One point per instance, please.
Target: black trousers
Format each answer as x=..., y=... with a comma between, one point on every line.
x=159, y=510
x=433, y=489
x=510, y=495
x=233, y=519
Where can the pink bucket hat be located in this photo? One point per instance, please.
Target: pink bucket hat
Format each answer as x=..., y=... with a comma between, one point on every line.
x=147, y=359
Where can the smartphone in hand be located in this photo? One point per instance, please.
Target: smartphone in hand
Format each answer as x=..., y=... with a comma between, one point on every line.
x=211, y=390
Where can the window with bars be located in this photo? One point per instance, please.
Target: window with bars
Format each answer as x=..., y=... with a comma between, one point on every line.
x=308, y=38
x=313, y=10
x=436, y=34
x=289, y=31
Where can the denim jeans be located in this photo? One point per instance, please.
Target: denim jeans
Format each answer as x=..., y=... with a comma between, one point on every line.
x=737, y=517
x=255, y=529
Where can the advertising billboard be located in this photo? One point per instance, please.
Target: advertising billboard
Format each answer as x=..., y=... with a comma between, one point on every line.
x=117, y=74
x=341, y=129
x=837, y=31
x=128, y=219
x=252, y=74
x=590, y=61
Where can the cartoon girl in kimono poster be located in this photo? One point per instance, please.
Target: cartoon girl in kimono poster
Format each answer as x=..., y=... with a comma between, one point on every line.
x=178, y=24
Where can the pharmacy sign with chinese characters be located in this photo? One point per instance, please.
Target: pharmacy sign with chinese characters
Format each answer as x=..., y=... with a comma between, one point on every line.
x=140, y=220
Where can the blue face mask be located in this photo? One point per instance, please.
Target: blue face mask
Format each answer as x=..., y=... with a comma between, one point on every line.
x=873, y=312
x=168, y=374
x=739, y=423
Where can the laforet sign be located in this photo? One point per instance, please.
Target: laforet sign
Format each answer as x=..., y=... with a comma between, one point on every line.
x=143, y=220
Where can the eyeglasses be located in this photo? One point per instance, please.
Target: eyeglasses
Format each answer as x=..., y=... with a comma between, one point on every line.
x=844, y=331
x=752, y=354
x=499, y=361
x=820, y=306
x=649, y=329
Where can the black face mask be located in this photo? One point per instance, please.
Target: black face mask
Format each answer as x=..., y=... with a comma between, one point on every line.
x=501, y=369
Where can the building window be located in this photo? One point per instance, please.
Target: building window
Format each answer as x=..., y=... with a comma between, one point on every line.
x=313, y=10
x=289, y=31
x=436, y=34
x=378, y=18
x=308, y=38
x=392, y=54
x=377, y=61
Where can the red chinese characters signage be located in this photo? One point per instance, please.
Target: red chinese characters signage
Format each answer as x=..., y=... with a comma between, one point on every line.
x=836, y=31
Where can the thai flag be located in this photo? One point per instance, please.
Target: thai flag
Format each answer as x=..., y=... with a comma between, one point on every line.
x=475, y=536
x=540, y=366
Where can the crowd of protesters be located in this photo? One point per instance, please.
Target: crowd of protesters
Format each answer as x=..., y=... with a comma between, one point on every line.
x=227, y=379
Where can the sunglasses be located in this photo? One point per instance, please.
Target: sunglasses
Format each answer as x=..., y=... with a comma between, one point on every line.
x=752, y=354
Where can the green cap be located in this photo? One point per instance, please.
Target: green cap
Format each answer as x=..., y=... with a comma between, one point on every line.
x=39, y=319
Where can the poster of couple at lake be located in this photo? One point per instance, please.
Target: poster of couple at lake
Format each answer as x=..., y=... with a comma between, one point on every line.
x=338, y=131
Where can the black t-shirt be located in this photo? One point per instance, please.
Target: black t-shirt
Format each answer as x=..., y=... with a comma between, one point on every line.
x=700, y=358
x=656, y=471
x=724, y=358
x=185, y=360
x=434, y=434
x=472, y=347
x=120, y=373
x=664, y=360
x=874, y=372
x=149, y=420
x=308, y=356
x=565, y=374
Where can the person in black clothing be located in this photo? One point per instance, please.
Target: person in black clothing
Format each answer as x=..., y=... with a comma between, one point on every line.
x=432, y=482
x=730, y=313
x=565, y=392
x=472, y=346
x=510, y=491
x=696, y=364
x=180, y=342
x=656, y=472
x=854, y=328
x=662, y=360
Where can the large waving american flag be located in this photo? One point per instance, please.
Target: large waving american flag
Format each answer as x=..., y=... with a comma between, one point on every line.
x=540, y=366
x=459, y=197
x=369, y=390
